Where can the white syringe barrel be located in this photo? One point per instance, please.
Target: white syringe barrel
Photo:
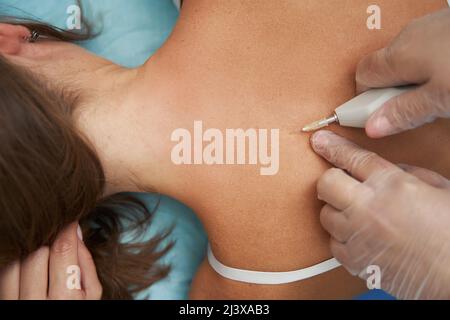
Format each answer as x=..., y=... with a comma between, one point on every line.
x=357, y=111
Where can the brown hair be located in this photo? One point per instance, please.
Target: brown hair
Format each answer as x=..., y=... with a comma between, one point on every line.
x=51, y=177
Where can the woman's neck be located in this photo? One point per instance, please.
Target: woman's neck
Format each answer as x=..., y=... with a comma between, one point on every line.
x=104, y=117
x=128, y=119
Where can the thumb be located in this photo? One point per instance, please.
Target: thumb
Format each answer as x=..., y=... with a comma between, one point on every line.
x=389, y=67
x=405, y=112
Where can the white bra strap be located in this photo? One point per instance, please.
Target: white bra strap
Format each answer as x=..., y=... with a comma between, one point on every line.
x=258, y=277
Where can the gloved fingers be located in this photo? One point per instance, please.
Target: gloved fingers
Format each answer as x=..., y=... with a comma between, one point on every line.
x=346, y=155
x=389, y=67
x=342, y=254
x=337, y=188
x=405, y=112
x=335, y=223
x=432, y=178
x=339, y=251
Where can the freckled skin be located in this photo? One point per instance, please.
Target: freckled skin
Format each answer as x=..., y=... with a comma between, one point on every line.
x=272, y=64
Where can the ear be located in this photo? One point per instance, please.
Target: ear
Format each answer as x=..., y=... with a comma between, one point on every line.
x=12, y=37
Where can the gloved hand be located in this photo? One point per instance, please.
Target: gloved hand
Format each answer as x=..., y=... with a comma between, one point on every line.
x=419, y=55
x=384, y=215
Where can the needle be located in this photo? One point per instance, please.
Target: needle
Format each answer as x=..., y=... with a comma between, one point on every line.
x=316, y=125
x=356, y=112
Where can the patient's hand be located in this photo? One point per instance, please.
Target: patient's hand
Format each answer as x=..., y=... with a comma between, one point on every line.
x=419, y=55
x=65, y=271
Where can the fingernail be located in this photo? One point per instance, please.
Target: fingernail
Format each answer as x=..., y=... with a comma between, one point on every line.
x=320, y=140
x=80, y=233
x=382, y=125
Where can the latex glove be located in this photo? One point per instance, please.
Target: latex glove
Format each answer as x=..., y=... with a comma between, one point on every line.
x=419, y=55
x=379, y=214
x=52, y=273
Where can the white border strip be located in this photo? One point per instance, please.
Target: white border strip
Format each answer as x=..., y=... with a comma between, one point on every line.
x=258, y=277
